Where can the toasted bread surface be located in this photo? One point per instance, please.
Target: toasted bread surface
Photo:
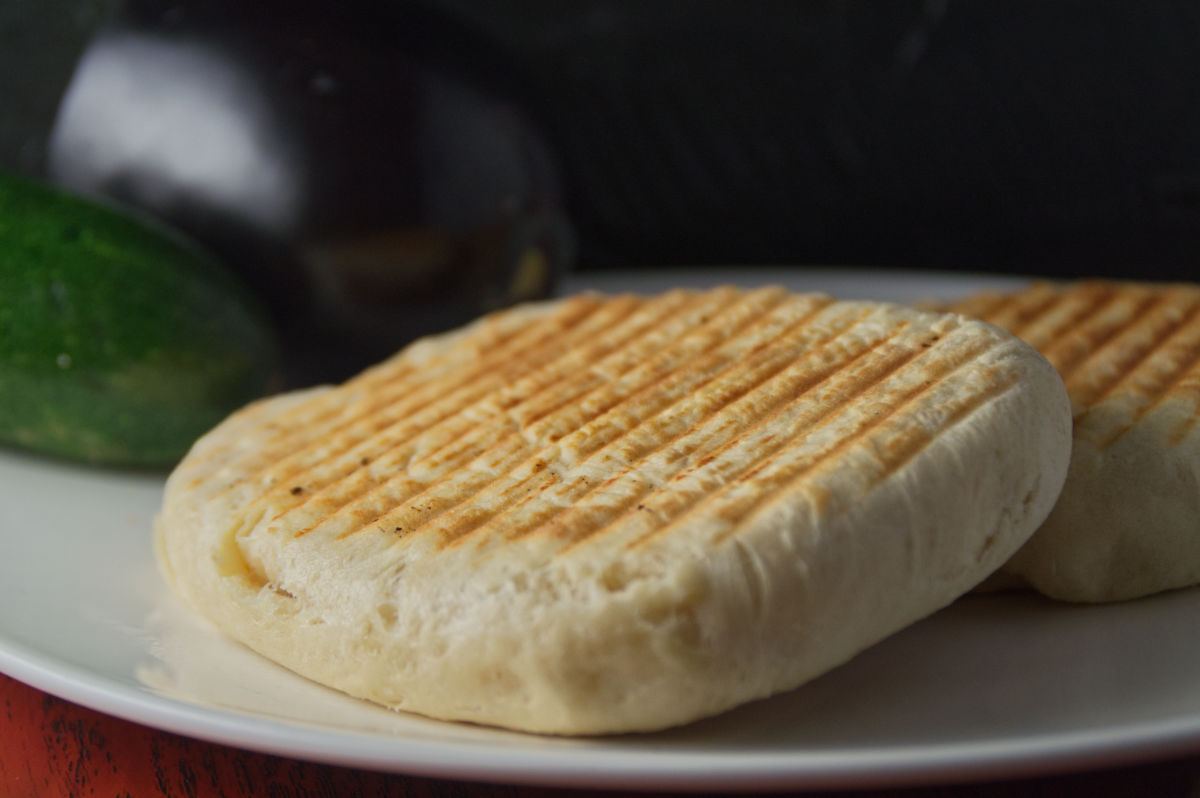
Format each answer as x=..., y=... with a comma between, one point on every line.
x=1128, y=521
x=618, y=513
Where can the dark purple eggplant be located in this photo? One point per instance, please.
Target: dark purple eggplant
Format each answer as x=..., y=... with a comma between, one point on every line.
x=372, y=174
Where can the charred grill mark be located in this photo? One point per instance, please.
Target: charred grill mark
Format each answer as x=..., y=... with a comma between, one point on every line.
x=1110, y=340
x=1062, y=311
x=1169, y=371
x=467, y=437
x=585, y=379
x=914, y=439
x=629, y=433
x=1015, y=311
x=574, y=525
x=401, y=501
x=580, y=526
x=1130, y=370
x=738, y=506
x=1107, y=368
x=746, y=307
x=1100, y=339
x=823, y=418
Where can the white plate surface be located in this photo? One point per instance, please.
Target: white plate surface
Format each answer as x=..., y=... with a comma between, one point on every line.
x=995, y=686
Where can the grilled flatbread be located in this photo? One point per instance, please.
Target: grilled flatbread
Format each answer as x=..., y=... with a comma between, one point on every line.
x=617, y=513
x=1128, y=521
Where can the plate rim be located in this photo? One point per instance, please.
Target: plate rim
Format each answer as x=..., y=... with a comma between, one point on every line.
x=597, y=765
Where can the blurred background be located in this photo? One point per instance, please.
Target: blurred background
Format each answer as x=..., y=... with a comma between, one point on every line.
x=350, y=158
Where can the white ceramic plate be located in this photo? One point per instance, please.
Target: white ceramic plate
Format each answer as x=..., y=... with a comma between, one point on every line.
x=998, y=686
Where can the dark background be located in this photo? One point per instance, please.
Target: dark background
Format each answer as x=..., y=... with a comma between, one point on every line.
x=1058, y=138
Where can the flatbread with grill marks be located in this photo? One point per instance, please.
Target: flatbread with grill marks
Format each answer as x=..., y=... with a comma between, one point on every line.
x=1128, y=521
x=617, y=513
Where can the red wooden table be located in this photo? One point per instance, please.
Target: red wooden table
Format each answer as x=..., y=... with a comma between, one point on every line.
x=51, y=748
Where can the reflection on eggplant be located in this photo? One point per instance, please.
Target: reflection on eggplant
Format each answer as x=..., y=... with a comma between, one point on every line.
x=174, y=119
x=370, y=184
